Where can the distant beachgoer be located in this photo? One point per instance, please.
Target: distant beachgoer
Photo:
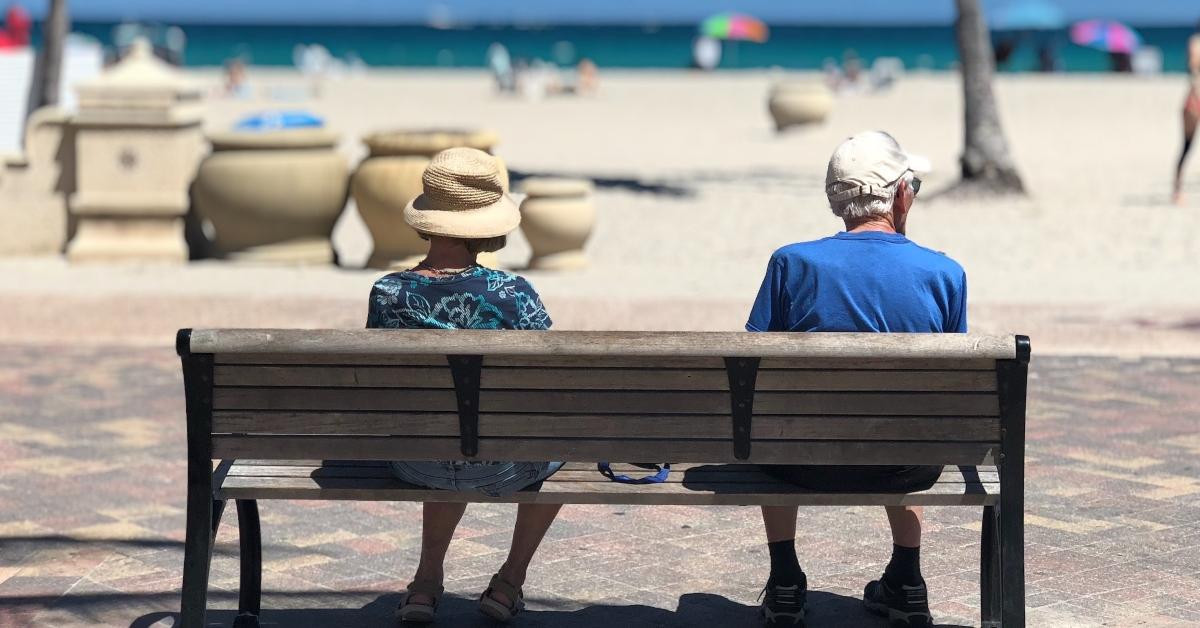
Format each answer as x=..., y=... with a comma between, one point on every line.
x=852, y=68
x=706, y=53
x=588, y=77
x=1120, y=62
x=17, y=25
x=501, y=66
x=1047, y=58
x=1003, y=49
x=235, y=80
x=1191, y=110
x=833, y=73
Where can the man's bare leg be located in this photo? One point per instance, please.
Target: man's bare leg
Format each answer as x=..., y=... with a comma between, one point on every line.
x=906, y=524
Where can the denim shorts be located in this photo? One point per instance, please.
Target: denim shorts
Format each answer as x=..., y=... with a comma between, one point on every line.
x=495, y=479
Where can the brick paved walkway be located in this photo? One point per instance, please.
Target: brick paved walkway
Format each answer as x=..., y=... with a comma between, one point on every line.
x=92, y=514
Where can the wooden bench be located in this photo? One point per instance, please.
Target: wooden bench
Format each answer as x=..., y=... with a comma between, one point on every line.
x=303, y=414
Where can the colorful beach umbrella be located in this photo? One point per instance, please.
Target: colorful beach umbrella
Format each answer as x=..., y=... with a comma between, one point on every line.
x=1028, y=15
x=1106, y=35
x=735, y=26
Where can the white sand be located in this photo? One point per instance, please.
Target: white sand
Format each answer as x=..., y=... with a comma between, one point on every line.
x=1096, y=248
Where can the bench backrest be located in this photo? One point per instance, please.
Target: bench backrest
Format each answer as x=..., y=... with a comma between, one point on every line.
x=591, y=396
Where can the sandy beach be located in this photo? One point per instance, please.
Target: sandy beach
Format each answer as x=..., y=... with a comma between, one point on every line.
x=694, y=191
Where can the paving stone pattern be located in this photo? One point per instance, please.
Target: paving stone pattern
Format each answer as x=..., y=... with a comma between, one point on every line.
x=92, y=519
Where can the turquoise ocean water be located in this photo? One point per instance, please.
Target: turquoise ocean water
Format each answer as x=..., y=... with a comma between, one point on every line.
x=798, y=47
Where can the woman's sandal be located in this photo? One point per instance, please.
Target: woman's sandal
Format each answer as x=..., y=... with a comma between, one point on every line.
x=492, y=607
x=420, y=613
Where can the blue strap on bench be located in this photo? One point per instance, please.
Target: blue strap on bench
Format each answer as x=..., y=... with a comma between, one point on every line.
x=663, y=471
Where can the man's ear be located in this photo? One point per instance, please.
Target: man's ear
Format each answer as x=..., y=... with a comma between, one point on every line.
x=903, y=198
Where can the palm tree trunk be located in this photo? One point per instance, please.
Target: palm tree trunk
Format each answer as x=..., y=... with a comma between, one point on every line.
x=47, y=72
x=985, y=159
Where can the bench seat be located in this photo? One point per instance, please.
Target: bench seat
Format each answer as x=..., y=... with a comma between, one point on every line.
x=580, y=483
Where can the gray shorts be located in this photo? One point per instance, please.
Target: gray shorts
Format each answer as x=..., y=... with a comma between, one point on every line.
x=495, y=479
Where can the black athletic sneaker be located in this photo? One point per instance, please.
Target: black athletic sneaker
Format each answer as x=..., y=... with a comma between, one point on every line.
x=783, y=606
x=907, y=607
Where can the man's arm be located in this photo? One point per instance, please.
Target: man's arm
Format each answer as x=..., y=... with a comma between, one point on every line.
x=769, y=305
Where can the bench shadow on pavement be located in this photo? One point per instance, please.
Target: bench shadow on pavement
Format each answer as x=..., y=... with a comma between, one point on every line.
x=694, y=610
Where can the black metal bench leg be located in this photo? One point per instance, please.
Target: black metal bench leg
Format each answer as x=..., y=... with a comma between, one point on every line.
x=250, y=537
x=1012, y=559
x=989, y=569
x=203, y=519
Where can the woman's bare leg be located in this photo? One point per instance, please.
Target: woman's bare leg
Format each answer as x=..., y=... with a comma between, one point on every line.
x=533, y=520
x=439, y=521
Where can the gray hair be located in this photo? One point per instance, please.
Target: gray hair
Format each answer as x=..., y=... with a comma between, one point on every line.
x=865, y=206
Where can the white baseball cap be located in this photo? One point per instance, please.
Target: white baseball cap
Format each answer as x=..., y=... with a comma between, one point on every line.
x=865, y=165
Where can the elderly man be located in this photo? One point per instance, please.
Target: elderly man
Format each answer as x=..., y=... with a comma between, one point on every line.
x=868, y=278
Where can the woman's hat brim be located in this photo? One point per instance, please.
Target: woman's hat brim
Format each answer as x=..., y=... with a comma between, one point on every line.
x=490, y=221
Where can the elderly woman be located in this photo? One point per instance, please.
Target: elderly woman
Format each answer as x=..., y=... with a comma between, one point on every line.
x=464, y=211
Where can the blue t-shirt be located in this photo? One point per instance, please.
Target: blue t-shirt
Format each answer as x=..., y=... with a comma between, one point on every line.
x=477, y=298
x=867, y=281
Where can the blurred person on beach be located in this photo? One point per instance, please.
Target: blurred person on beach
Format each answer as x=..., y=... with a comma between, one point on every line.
x=463, y=211
x=235, y=84
x=1191, y=111
x=17, y=27
x=868, y=278
x=587, y=77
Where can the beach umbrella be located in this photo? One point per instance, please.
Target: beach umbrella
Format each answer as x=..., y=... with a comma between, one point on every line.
x=734, y=27
x=1106, y=35
x=1028, y=15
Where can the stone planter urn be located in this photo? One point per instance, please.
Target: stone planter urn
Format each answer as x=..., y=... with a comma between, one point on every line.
x=390, y=177
x=799, y=103
x=272, y=196
x=557, y=216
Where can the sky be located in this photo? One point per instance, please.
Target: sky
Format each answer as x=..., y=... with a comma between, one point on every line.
x=1145, y=12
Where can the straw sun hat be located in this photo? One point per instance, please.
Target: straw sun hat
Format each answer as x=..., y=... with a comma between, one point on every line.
x=463, y=197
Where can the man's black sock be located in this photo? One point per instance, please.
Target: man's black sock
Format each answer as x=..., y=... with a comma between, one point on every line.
x=904, y=568
x=785, y=567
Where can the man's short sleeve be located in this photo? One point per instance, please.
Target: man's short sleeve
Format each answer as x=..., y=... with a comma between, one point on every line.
x=957, y=321
x=769, y=305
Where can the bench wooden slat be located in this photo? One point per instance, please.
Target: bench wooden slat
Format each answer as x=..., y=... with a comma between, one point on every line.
x=599, y=402
x=309, y=482
x=246, y=465
x=583, y=343
x=715, y=451
x=716, y=474
x=603, y=379
x=605, y=361
x=666, y=426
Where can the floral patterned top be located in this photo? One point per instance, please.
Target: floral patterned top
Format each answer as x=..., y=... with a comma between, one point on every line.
x=477, y=298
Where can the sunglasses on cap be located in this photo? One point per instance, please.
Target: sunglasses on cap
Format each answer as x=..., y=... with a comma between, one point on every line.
x=916, y=182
